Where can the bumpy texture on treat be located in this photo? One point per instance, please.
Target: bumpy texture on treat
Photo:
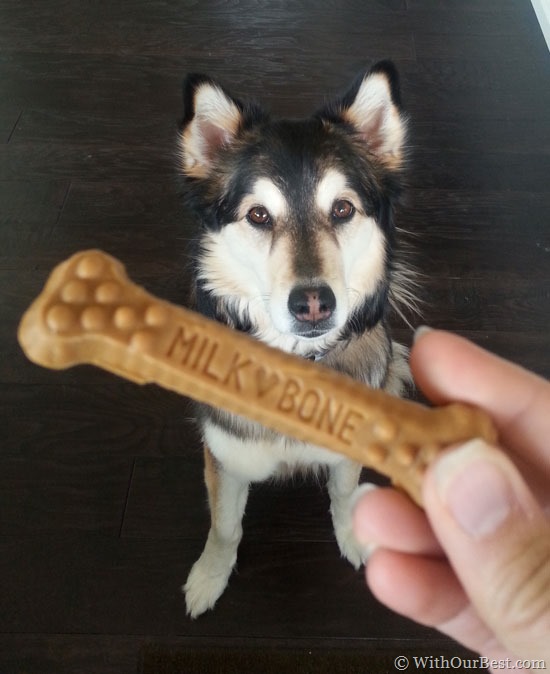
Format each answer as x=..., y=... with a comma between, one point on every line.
x=90, y=312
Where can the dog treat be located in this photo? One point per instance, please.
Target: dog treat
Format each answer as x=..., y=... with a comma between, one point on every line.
x=90, y=312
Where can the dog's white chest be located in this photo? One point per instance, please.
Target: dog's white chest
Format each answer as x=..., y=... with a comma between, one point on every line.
x=257, y=460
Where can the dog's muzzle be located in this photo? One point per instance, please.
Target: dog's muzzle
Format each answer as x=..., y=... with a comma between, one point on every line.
x=312, y=309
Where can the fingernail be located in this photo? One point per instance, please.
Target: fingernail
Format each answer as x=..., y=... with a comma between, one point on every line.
x=475, y=486
x=421, y=331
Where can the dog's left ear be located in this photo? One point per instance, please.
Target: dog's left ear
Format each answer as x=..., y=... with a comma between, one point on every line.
x=211, y=122
x=373, y=108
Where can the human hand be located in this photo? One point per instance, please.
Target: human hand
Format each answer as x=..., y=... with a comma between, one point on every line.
x=476, y=564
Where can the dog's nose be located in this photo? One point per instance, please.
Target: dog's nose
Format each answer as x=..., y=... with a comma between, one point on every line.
x=311, y=305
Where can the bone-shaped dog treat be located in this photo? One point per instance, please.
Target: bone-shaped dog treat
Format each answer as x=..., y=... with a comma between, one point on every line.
x=90, y=312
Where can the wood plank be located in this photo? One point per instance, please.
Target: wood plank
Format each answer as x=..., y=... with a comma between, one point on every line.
x=75, y=97
x=85, y=413
x=486, y=306
x=469, y=18
x=98, y=585
x=145, y=204
x=157, y=257
x=479, y=134
x=69, y=654
x=469, y=171
x=469, y=5
x=97, y=125
x=9, y=116
x=480, y=47
x=62, y=492
x=472, y=260
x=472, y=93
x=112, y=654
x=494, y=216
x=154, y=27
x=433, y=168
x=54, y=161
x=36, y=203
x=80, y=85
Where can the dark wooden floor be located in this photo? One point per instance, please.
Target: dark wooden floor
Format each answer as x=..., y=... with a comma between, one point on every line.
x=102, y=509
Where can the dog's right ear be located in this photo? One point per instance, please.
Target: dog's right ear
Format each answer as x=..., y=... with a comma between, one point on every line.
x=372, y=107
x=211, y=122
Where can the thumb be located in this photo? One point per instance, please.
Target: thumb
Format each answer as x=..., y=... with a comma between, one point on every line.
x=497, y=540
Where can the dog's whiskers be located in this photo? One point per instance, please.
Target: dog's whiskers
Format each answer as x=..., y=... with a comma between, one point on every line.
x=403, y=295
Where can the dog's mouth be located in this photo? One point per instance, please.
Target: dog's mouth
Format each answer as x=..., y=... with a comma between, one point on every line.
x=317, y=341
x=313, y=332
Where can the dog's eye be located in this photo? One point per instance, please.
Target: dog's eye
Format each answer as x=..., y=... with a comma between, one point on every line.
x=342, y=209
x=259, y=216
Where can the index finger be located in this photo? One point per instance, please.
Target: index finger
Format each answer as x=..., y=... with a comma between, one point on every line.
x=450, y=368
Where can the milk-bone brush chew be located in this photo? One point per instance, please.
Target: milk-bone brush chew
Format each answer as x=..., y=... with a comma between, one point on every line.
x=90, y=312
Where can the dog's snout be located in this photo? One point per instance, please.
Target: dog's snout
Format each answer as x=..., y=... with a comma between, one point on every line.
x=311, y=304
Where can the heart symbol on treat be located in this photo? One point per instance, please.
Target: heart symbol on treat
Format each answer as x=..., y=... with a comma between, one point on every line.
x=266, y=381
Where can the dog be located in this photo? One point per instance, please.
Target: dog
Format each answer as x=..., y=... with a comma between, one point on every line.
x=297, y=248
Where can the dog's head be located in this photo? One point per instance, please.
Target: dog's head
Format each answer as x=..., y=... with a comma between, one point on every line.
x=296, y=215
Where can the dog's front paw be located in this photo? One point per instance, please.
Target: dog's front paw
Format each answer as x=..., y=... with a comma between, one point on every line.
x=203, y=590
x=351, y=549
x=342, y=518
x=206, y=582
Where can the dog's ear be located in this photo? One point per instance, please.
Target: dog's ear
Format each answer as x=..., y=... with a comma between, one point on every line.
x=372, y=106
x=211, y=122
